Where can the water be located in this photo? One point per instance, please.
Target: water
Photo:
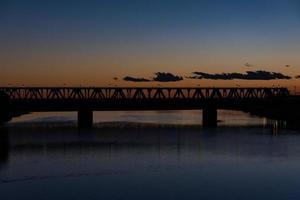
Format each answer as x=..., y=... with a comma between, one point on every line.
x=192, y=117
x=148, y=155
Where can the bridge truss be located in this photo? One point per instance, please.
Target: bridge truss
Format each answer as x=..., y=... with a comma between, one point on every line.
x=147, y=93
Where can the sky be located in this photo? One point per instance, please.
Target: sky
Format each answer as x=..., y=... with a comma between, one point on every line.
x=99, y=43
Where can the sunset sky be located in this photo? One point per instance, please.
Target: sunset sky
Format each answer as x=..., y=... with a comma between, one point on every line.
x=98, y=43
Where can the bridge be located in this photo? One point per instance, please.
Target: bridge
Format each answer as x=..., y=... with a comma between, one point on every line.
x=85, y=100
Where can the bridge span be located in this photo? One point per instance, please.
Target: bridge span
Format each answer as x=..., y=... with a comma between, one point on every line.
x=85, y=100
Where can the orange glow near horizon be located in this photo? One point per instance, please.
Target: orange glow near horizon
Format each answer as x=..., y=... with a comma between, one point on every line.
x=63, y=46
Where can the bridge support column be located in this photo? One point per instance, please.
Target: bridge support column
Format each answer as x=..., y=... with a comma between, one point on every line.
x=85, y=119
x=209, y=117
x=5, y=116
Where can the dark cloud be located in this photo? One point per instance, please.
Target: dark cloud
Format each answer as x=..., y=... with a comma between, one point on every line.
x=166, y=77
x=159, y=77
x=249, y=75
x=133, y=79
x=298, y=77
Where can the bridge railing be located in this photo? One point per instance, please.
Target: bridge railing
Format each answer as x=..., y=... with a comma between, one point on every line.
x=93, y=93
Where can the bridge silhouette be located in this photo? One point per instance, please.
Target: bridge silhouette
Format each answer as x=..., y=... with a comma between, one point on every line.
x=19, y=100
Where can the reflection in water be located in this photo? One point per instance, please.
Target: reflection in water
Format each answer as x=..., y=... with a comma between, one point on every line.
x=183, y=117
x=142, y=136
x=276, y=125
x=123, y=160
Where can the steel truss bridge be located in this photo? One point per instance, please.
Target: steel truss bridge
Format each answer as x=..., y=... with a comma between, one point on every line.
x=88, y=99
x=113, y=93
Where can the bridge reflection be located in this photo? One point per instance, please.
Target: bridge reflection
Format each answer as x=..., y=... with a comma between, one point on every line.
x=109, y=143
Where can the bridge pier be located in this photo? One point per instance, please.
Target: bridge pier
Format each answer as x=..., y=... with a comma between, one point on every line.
x=4, y=107
x=209, y=117
x=85, y=119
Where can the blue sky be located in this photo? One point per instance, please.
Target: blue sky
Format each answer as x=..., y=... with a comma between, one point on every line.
x=139, y=37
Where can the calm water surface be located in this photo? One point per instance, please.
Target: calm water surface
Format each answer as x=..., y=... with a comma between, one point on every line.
x=148, y=155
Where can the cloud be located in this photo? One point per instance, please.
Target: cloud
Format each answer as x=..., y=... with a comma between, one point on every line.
x=159, y=77
x=133, y=79
x=249, y=75
x=166, y=77
x=298, y=77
